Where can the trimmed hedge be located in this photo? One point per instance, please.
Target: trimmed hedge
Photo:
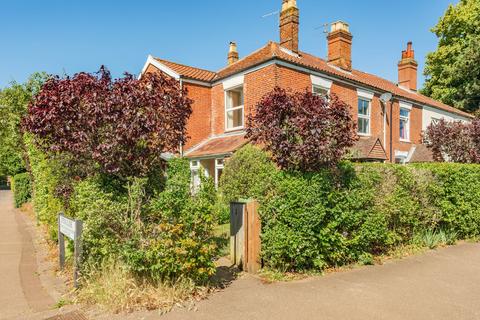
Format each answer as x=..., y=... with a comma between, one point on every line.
x=311, y=221
x=21, y=187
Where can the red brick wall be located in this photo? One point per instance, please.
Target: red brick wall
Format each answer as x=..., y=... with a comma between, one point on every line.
x=218, y=109
x=293, y=80
x=209, y=105
x=199, y=124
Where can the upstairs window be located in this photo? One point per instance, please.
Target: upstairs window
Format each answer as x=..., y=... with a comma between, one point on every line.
x=234, y=108
x=320, y=91
x=404, y=124
x=363, y=116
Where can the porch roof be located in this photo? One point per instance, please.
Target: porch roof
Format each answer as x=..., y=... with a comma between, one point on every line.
x=220, y=145
x=370, y=148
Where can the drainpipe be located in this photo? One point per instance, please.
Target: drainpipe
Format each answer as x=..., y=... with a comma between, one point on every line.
x=181, y=144
x=391, y=131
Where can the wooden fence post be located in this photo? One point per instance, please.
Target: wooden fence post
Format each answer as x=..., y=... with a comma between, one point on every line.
x=61, y=244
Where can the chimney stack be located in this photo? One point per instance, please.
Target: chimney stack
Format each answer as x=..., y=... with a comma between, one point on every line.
x=289, y=23
x=340, y=45
x=232, y=53
x=407, y=69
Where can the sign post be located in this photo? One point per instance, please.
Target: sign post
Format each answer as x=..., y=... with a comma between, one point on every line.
x=73, y=230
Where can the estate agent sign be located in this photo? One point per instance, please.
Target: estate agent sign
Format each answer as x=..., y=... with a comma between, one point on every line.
x=73, y=230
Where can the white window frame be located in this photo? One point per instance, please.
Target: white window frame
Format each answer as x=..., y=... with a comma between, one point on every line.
x=195, y=170
x=407, y=107
x=367, y=117
x=218, y=166
x=322, y=83
x=319, y=87
x=242, y=107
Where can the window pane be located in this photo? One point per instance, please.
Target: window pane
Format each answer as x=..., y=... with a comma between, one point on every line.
x=404, y=113
x=235, y=98
x=403, y=133
x=363, y=125
x=320, y=91
x=235, y=118
x=363, y=106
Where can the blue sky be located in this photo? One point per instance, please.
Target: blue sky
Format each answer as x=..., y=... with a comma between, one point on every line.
x=71, y=36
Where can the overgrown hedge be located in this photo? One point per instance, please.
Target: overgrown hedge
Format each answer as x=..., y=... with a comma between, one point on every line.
x=21, y=188
x=152, y=226
x=335, y=217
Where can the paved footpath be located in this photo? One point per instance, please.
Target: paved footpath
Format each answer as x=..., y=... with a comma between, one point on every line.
x=441, y=284
x=21, y=291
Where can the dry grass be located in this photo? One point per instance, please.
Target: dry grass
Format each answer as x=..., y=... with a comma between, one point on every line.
x=116, y=290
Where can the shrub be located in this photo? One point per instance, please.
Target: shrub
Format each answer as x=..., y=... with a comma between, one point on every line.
x=302, y=131
x=248, y=174
x=165, y=237
x=47, y=175
x=119, y=127
x=21, y=188
x=454, y=141
x=329, y=218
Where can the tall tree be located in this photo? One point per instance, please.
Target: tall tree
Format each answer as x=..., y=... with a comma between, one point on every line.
x=302, y=131
x=118, y=127
x=14, y=101
x=453, y=70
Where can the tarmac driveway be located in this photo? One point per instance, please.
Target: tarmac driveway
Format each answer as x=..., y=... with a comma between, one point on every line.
x=441, y=284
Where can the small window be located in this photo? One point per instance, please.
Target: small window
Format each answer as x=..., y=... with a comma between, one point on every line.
x=320, y=91
x=234, y=108
x=363, y=116
x=434, y=121
x=404, y=124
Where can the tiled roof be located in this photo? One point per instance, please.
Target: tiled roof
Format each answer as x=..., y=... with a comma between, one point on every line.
x=218, y=146
x=189, y=72
x=422, y=154
x=369, y=148
x=274, y=51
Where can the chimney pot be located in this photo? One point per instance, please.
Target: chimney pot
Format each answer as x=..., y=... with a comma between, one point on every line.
x=232, y=53
x=340, y=45
x=407, y=69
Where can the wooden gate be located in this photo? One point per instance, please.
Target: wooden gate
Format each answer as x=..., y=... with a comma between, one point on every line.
x=236, y=232
x=245, y=230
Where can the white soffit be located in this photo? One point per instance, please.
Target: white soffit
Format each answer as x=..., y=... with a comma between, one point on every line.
x=365, y=94
x=233, y=82
x=405, y=105
x=152, y=61
x=322, y=82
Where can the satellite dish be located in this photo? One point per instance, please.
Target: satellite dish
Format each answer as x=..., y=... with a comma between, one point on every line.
x=386, y=97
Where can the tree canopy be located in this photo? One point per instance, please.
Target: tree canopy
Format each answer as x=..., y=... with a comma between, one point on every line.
x=302, y=131
x=453, y=70
x=14, y=101
x=118, y=127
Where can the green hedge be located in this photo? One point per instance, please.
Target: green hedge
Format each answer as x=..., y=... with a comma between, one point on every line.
x=335, y=217
x=46, y=176
x=161, y=236
x=21, y=187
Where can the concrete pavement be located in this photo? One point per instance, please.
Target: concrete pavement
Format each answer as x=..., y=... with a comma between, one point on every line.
x=441, y=284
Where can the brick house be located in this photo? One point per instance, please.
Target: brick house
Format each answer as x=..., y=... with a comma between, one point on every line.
x=391, y=116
